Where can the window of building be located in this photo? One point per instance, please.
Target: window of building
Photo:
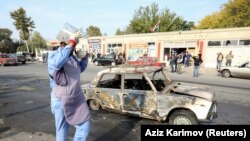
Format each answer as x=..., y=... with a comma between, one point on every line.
x=244, y=42
x=214, y=43
x=151, y=43
x=230, y=43
x=113, y=47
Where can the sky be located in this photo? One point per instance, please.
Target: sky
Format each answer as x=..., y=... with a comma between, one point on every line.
x=49, y=16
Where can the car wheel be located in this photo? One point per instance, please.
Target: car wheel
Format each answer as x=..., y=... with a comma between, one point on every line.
x=226, y=73
x=96, y=63
x=113, y=64
x=183, y=117
x=23, y=62
x=94, y=104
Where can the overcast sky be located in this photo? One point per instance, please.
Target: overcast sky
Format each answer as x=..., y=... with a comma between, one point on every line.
x=50, y=15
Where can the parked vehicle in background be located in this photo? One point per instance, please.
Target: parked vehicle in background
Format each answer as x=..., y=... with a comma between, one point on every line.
x=21, y=58
x=25, y=54
x=145, y=60
x=109, y=59
x=8, y=59
x=28, y=57
x=237, y=71
x=147, y=91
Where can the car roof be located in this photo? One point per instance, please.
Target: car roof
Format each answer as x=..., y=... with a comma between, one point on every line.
x=126, y=68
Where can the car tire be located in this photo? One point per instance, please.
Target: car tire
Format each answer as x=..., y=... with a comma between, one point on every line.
x=113, y=64
x=94, y=104
x=183, y=117
x=96, y=63
x=226, y=73
x=23, y=62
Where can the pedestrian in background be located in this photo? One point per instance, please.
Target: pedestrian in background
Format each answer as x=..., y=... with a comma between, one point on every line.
x=186, y=59
x=197, y=62
x=172, y=62
x=229, y=58
x=179, y=62
x=68, y=103
x=219, y=60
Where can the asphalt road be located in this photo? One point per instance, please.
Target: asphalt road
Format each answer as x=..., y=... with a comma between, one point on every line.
x=25, y=112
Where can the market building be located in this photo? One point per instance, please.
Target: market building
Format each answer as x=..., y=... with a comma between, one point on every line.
x=206, y=43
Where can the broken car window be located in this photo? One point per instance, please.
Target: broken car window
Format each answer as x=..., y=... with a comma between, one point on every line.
x=110, y=80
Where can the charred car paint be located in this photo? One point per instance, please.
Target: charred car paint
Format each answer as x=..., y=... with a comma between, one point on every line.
x=147, y=91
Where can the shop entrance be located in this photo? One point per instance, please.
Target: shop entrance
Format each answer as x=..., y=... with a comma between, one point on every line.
x=168, y=51
x=178, y=50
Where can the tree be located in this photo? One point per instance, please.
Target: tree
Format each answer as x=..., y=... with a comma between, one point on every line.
x=119, y=32
x=5, y=40
x=7, y=45
x=23, y=24
x=235, y=13
x=37, y=42
x=145, y=18
x=93, y=31
x=17, y=45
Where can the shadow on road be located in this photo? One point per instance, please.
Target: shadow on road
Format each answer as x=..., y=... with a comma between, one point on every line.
x=25, y=111
x=116, y=134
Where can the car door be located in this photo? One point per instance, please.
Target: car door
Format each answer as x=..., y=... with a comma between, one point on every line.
x=243, y=71
x=108, y=90
x=246, y=71
x=101, y=60
x=137, y=95
x=109, y=59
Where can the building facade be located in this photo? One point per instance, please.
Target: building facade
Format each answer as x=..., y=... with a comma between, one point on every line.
x=206, y=43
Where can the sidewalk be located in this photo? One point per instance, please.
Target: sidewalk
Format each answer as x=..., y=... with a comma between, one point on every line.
x=188, y=71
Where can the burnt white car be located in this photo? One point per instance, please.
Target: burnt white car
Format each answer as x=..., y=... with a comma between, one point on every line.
x=147, y=91
x=238, y=71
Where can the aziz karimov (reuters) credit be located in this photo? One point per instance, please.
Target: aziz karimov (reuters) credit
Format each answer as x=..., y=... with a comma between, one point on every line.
x=240, y=132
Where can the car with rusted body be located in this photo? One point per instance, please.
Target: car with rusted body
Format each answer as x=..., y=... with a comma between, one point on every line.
x=7, y=59
x=145, y=60
x=147, y=91
x=242, y=71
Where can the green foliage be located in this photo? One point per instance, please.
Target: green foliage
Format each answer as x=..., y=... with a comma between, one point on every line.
x=5, y=40
x=7, y=45
x=22, y=23
x=37, y=41
x=119, y=32
x=235, y=13
x=145, y=18
x=22, y=48
x=93, y=31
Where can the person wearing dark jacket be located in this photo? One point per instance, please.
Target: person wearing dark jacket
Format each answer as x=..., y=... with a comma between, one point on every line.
x=197, y=62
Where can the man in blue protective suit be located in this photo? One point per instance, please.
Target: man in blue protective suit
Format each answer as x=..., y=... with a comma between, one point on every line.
x=68, y=103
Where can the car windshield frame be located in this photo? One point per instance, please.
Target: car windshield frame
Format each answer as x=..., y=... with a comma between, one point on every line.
x=244, y=65
x=167, y=81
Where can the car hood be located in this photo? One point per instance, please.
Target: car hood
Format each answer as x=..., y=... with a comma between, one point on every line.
x=194, y=90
